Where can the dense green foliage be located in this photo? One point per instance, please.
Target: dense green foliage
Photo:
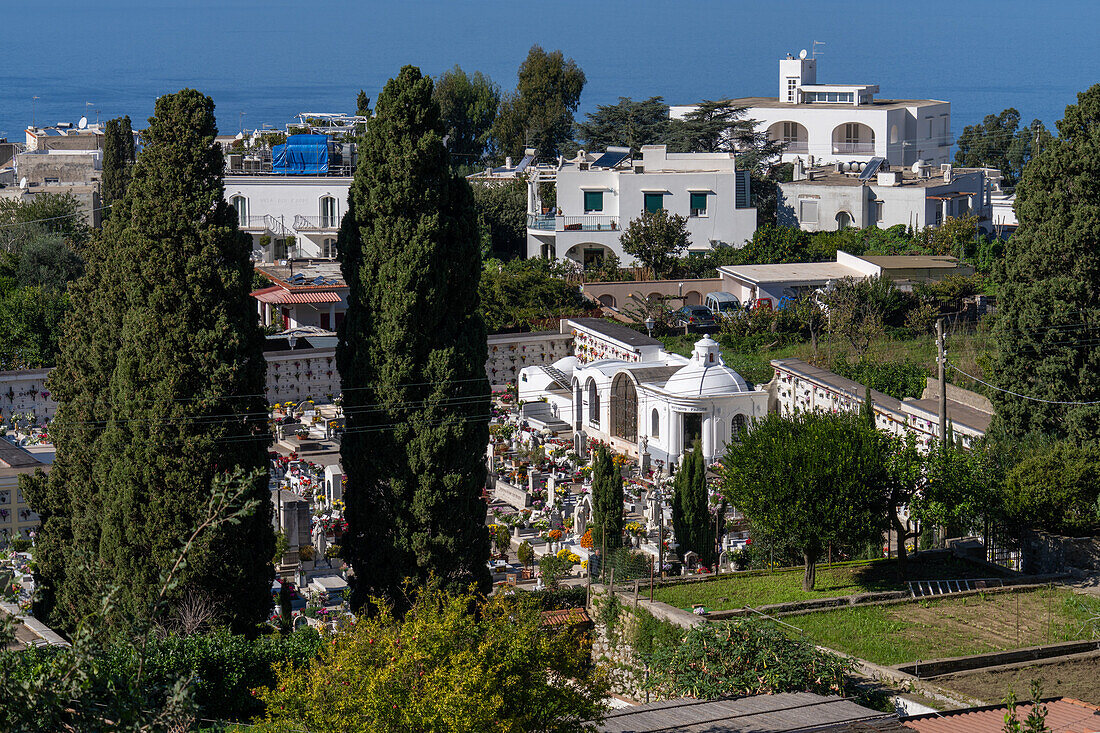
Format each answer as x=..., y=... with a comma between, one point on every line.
x=656, y=239
x=1049, y=306
x=744, y=657
x=412, y=357
x=468, y=105
x=691, y=518
x=453, y=664
x=223, y=668
x=1054, y=487
x=160, y=389
x=607, y=501
x=502, y=218
x=118, y=159
x=628, y=123
x=997, y=142
x=526, y=294
x=40, y=244
x=539, y=113
x=808, y=481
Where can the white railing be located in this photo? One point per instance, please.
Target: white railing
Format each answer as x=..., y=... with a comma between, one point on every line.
x=316, y=223
x=587, y=223
x=853, y=148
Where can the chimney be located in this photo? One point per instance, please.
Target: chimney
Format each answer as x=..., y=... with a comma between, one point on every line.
x=508, y=162
x=948, y=172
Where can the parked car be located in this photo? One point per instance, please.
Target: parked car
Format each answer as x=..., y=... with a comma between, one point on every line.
x=721, y=303
x=696, y=318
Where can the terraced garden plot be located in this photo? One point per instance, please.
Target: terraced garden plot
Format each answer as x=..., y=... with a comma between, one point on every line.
x=738, y=590
x=1077, y=678
x=954, y=627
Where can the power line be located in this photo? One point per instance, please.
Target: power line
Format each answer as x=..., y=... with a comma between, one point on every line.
x=53, y=218
x=1022, y=396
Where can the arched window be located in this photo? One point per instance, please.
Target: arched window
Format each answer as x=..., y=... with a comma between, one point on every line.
x=737, y=426
x=240, y=203
x=655, y=424
x=624, y=408
x=843, y=220
x=328, y=211
x=593, y=403
x=578, y=408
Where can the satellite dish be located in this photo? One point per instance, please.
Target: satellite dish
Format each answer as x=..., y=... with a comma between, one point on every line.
x=23, y=182
x=802, y=54
x=83, y=123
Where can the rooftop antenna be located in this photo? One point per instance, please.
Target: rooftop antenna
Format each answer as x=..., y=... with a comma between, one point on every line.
x=815, y=51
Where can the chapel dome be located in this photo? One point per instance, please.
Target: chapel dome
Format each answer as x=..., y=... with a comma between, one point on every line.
x=706, y=374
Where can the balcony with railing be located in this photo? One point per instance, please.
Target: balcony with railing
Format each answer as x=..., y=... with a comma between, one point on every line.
x=580, y=223
x=265, y=224
x=541, y=222
x=316, y=223
x=587, y=223
x=849, y=148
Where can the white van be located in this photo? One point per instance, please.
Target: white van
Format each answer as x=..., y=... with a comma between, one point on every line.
x=722, y=303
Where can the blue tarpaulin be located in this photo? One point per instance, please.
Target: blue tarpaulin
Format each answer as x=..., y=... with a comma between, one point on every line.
x=302, y=155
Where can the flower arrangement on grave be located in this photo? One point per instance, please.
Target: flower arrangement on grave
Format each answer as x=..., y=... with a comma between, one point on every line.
x=554, y=535
x=635, y=529
x=586, y=540
x=566, y=554
x=619, y=461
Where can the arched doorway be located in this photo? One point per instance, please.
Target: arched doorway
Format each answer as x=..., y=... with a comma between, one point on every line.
x=843, y=220
x=624, y=408
x=853, y=138
x=593, y=403
x=792, y=135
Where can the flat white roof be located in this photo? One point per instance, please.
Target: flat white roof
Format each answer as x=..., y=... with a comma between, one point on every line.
x=793, y=272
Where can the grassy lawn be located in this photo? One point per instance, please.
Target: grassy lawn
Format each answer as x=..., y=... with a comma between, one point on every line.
x=737, y=591
x=954, y=627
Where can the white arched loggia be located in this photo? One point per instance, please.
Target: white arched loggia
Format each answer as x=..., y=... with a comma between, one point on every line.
x=853, y=138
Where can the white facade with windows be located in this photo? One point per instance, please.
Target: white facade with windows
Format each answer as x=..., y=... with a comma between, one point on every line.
x=596, y=202
x=289, y=216
x=829, y=200
x=828, y=123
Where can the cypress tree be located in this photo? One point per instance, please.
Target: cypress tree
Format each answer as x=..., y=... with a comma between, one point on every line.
x=607, y=501
x=118, y=157
x=691, y=520
x=159, y=384
x=1049, y=302
x=412, y=358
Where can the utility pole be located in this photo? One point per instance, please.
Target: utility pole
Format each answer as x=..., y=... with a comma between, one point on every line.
x=660, y=535
x=941, y=360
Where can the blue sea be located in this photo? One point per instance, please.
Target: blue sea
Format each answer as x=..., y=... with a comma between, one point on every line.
x=264, y=62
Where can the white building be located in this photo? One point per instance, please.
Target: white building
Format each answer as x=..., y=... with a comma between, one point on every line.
x=801, y=387
x=840, y=196
x=768, y=285
x=828, y=123
x=274, y=208
x=599, y=194
x=648, y=400
x=291, y=197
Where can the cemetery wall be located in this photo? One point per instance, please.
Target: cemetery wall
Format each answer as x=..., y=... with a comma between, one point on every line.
x=300, y=373
x=510, y=352
x=1050, y=553
x=24, y=391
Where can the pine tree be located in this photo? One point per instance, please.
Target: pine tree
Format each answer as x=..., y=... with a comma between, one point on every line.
x=159, y=384
x=1048, y=304
x=362, y=104
x=691, y=519
x=412, y=358
x=607, y=501
x=118, y=157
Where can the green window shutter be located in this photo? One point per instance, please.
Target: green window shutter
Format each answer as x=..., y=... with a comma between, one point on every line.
x=698, y=204
x=654, y=202
x=593, y=201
